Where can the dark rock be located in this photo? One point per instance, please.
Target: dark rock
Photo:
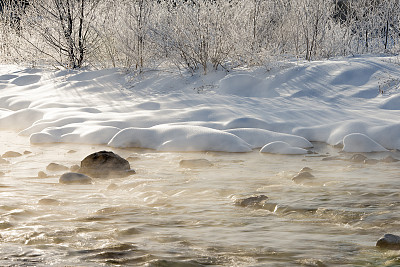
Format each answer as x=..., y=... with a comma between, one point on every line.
x=74, y=168
x=389, y=159
x=195, y=163
x=49, y=201
x=105, y=164
x=75, y=178
x=389, y=241
x=302, y=177
x=55, y=167
x=42, y=175
x=11, y=154
x=358, y=158
x=252, y=201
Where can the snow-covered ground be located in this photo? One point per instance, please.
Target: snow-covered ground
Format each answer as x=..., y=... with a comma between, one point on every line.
x=278, y=111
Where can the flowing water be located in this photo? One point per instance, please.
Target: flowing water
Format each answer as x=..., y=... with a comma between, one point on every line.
x=169, y=215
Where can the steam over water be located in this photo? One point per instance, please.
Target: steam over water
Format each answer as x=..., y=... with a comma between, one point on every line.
x=168, y=215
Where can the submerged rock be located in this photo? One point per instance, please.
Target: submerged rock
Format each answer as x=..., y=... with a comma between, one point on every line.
x=105, y=164
x=371, y=161
x=2, y=174
x=55, y=167
x=252, y=201
x=302, y=177
x=11, y=154
x=74, y=168
x=195, y=163
x=305, y=169
x=42, y=174
x=27, y=152
x=358, y=158
x=49, y=201
x=3, y=161
x=329, y=158
x=389, y=159
x=75, y=178
x=389, y=241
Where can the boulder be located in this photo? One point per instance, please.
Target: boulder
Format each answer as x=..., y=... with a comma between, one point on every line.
x=389, y=241
x=75, y=178
x=55, y=167
x=105, y=164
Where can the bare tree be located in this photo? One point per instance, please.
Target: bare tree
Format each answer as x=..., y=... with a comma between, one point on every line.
x=65, y=27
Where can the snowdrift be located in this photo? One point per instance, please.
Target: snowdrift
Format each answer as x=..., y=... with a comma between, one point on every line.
x=282, y=111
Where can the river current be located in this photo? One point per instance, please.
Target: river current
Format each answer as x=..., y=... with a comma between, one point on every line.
x=173, y=215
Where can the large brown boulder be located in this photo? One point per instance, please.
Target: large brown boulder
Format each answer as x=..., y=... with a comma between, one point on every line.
x=104, y=164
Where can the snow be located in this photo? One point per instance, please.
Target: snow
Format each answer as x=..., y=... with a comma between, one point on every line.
x=334, y=101
x=280, y=147
x=357, y=142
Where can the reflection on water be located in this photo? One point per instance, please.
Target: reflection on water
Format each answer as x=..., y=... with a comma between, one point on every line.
x=172, y=214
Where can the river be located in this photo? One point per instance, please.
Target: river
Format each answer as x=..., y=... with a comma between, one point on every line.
x=170, y=215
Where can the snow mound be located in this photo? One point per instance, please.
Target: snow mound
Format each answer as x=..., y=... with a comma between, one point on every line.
x=20, y=119
x=392, y=103
x=245, y=85
x=358, y=142
x=258, y=137
x=247, y=122
x=96, y=135
x=280, y=147
x=179, y=138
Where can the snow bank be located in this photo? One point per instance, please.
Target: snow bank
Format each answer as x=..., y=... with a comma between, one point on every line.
x=179, y=138
x=333, y=101
x=258, y=137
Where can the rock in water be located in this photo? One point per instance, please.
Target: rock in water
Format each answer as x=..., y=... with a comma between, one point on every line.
x=389, y=241
x=105, y=164
x=55, y=167
x=195, y=163
x=358, y=158
x=75, y=178
x=389, y=159
x=302, y=177
x=253, y=201
x=11, y=154
x=42, y=174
